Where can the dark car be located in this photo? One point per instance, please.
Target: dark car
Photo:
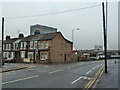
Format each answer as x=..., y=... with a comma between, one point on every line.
x=10, y=60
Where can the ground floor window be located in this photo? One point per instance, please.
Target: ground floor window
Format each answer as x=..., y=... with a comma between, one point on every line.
x=30, y=55
x=22, y=54
x=6, y=55
x=43, y=56
x=12, y=54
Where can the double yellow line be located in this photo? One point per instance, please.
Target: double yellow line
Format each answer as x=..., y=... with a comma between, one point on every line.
x=93, y=80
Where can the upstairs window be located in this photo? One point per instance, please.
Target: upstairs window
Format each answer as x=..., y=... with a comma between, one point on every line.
x=31, y=44
x=35, y=44
x=21, y=45
x=42, y=44
x=46, y=44
x=14, y=46
x=24, y=47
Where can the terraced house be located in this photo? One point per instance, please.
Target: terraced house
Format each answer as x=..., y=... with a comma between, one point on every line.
x=39, y=48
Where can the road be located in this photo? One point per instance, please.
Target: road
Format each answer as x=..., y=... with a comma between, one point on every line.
x=69, y=75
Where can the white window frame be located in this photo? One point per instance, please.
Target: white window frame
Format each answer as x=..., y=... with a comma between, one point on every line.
x=24, y=45
x=35, y=45
x=13, y=46
x=9, y=46
x=6, y=46
x=47, y=45
x=16, y=46
x=43, y=56
x=31, y=44
x=42, y=44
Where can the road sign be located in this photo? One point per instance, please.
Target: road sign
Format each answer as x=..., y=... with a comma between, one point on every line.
x=36, y=50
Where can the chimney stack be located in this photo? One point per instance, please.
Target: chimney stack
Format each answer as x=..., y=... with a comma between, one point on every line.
x=21, y=35
x=7, y=37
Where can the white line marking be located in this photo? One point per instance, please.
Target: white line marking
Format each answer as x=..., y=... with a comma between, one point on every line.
x=93, y=68
x=76, y=80
x=98, y=66
x=88, y=72
x=69, y=67
x=55, y=71
x=20, y=79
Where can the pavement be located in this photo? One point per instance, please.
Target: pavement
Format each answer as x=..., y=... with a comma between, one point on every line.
x=16, y=66
x=111, y=78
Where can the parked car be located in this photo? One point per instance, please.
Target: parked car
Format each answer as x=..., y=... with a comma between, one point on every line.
x=93, y=58
x=10, y=60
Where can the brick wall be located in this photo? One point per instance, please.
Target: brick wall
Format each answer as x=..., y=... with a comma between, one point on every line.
x=60, y=50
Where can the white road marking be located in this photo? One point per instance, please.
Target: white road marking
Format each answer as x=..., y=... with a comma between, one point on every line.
x=88, y=78
x=93, y=68
x=98, y=66
x=69, y=67
x=88, y=72
x=55, y=71
x=19, y=79
x=76, y=80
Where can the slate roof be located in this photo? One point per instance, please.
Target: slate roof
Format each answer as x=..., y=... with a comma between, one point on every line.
x=48, y=36
x=10, y=40
x=28, y=38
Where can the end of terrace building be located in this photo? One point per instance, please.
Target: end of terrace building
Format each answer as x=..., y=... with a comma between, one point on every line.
x=39, y=48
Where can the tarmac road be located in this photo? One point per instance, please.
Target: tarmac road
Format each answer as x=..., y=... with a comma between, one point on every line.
x=70, y=75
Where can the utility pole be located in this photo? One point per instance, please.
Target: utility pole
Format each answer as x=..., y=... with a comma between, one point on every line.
x=2, y=40
x=105, y=37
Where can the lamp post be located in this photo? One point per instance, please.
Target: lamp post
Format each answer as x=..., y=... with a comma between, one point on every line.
x=73, y=35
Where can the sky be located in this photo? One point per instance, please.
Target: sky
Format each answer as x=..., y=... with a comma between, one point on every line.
x=88, y=20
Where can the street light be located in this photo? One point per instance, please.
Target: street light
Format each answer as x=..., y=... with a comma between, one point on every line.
x=73, y=35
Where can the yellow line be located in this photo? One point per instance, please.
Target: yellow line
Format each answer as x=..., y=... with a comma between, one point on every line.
x=93, y=79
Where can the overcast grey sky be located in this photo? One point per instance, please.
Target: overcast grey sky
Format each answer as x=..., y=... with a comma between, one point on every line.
x=88, y=20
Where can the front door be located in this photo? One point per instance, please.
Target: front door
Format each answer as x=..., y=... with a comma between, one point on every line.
x=65, y=57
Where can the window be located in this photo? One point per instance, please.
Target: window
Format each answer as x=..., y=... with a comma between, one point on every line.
x=30, y=55
x=68, y=55
x=9, y=46
x=61, y=55
x=35, y=44
x=42, y=44
x=46, y=44
x=6, y=46
x=16, y=45
x=31, y=45
x=43, y=56
x=24, y=45
x=22, y=54
x=21, y=45
x=65, y=46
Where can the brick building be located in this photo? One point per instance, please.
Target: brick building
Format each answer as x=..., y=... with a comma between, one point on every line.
x=48, y=47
